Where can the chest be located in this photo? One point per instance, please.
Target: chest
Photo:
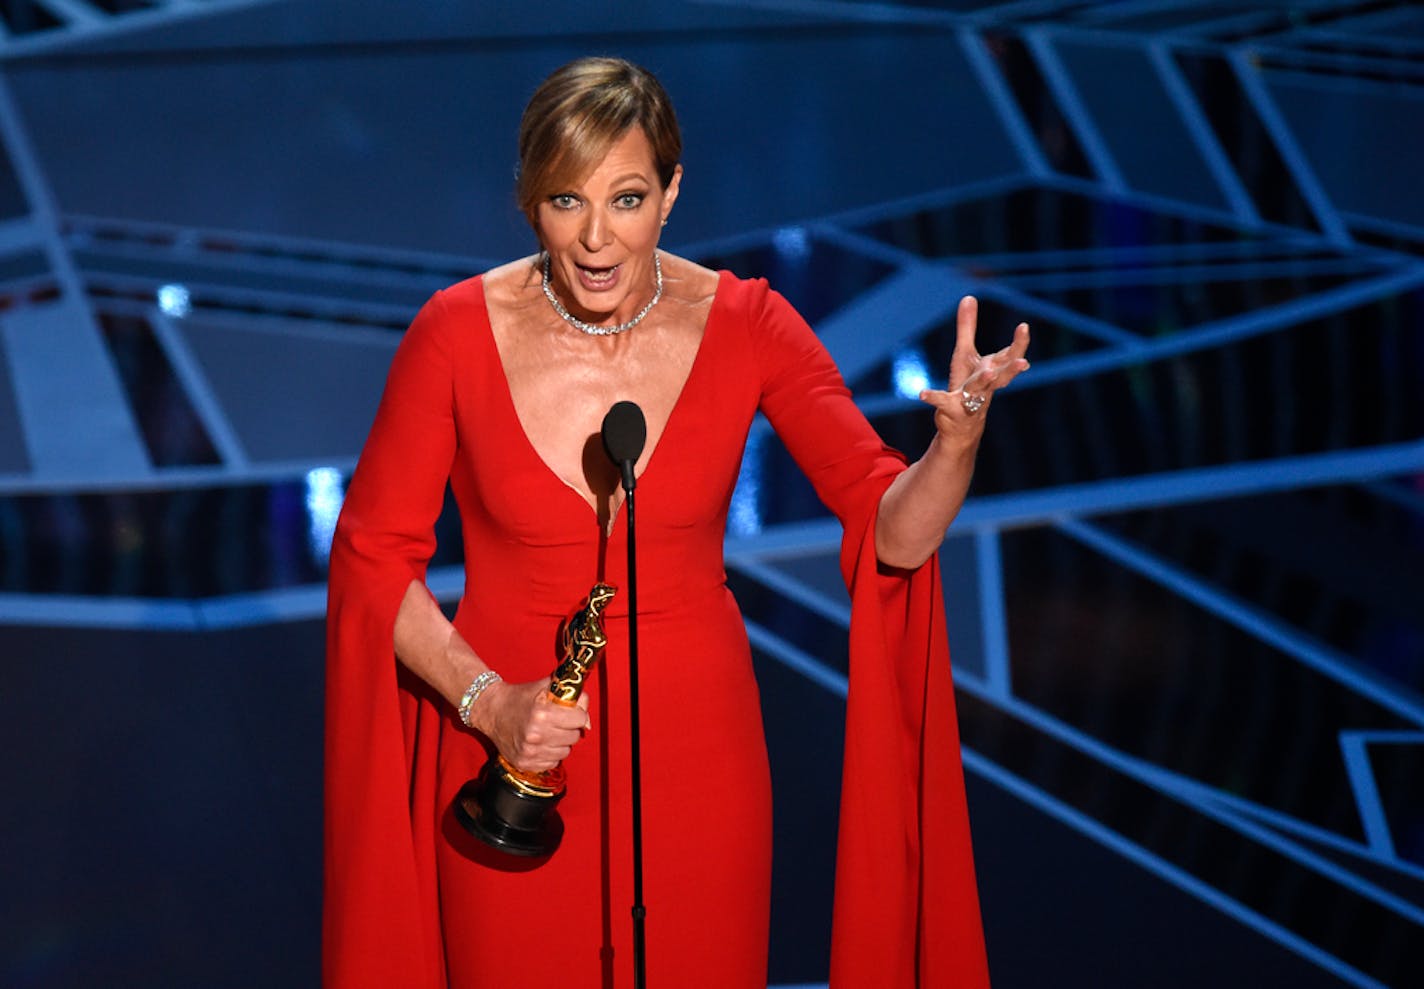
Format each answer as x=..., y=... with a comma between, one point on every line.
x=561, y=399
x=532, y=463
x=561, y=384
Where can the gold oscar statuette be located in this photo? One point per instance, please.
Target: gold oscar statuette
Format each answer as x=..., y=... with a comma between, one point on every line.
x=512, y=810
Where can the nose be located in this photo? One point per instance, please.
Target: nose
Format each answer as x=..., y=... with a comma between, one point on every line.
x=595, y=234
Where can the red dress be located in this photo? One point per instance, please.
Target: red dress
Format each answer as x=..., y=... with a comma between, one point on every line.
x=412, y=901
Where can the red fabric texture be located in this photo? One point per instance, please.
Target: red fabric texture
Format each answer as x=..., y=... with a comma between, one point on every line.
x=410, y=901
x=906, y=904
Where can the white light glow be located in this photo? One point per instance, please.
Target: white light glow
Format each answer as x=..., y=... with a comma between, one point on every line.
x=792, y=243
x=744, y=514
x=325, y=494
x=911, y=373
x=174, y=300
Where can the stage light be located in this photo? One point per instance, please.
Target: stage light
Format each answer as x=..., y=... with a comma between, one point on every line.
x=325, y=494
x=744, y=513
x=174, y=300
x=792, y=243
x=910, y=372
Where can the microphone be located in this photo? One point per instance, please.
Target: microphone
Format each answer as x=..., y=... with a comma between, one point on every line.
x=624, y=433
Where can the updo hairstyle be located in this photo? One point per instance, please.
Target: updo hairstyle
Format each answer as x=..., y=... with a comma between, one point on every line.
x=581, y=111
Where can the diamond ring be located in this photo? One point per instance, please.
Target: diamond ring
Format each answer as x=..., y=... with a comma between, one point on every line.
x=972, y=403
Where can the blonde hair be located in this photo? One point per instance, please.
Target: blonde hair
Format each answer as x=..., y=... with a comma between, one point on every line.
x=581, y=111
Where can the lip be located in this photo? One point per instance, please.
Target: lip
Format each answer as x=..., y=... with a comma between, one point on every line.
x=609, y=277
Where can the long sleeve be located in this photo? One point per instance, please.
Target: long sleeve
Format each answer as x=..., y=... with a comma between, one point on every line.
x=380, y=912
x=906, y=902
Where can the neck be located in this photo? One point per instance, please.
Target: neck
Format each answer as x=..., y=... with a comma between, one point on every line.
x=594, y=328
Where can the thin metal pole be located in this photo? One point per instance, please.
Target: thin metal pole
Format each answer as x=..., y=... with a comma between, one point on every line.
x=640, y=912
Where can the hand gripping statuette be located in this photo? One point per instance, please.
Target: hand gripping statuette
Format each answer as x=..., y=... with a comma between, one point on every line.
x=511, y=810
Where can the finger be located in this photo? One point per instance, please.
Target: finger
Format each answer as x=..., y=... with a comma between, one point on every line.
x=1019, y=345
x=988, y=378
x=1000, y=368
x=952, y=404
x=551, y=713
x=978, y=380
x=561, y=740
x=544, y=743
x=944, y=398
x=965, y=325
x=943, y=401
x=562, y=717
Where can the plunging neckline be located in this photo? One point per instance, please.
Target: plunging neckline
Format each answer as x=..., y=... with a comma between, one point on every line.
x=616, y=509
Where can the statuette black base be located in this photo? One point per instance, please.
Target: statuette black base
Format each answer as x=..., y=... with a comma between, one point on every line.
x=517, y=823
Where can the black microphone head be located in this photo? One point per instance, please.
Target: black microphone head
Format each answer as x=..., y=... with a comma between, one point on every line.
x=624, y=433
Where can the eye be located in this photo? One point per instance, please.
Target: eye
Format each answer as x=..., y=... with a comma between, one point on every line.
x=564, y=200
x=629, y=200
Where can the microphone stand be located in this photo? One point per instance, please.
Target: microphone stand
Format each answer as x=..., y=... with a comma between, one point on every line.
x=640, y=912
x=625, y=430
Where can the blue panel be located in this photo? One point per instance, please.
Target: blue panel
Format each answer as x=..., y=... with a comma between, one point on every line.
x=171, y=428
x=406, y=157
x=1347, y=131
x=12, y=198
x=13, y=458
x=1146, y=136
x=77, y=419
x=293, y=395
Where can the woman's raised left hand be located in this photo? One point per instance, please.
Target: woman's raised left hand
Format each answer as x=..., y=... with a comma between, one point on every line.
x=973, y=379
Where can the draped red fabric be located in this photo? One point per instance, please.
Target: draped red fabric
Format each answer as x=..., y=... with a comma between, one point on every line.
x=906, y=903
x=906, y=910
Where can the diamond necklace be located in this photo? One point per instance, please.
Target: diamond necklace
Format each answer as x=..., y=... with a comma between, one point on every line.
x=604, y=331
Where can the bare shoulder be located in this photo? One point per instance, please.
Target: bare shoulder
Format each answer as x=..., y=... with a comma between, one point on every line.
x=688, y=283
x=512, y=286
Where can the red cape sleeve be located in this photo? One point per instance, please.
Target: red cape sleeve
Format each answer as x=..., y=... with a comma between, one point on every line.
x=906, y=903
x=380, y=913
x=906, y=898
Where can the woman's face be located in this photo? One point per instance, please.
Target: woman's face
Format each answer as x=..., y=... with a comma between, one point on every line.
x=601, y=234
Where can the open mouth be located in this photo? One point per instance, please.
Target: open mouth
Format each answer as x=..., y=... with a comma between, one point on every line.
x=596, y=278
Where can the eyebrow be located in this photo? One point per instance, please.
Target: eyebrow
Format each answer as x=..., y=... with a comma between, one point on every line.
x=623, y=179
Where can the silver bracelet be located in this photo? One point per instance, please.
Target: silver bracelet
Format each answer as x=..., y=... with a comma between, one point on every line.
x=472, y=694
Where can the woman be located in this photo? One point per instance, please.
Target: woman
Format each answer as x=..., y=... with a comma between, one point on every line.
x=499, y=387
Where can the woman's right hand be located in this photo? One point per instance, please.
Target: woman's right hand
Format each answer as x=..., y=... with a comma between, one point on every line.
x=530, y=729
